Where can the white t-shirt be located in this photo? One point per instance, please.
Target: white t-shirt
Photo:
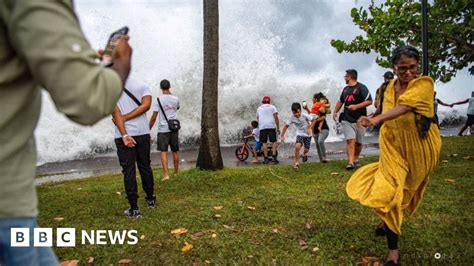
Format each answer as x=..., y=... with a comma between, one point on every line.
x=470, y=108
x=265, y=116
x=139, y=125
x=170, y=105
x=256, y=134
x=302, y=123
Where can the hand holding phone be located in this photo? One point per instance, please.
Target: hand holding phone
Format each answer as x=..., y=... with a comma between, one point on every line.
x=112, y=44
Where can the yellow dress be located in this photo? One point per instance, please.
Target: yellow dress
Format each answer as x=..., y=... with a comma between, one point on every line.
x=397, y=182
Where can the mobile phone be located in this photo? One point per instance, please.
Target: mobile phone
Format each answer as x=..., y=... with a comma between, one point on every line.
x=111, y=44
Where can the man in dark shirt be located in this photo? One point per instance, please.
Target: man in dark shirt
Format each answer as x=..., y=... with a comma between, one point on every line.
x=355, y=97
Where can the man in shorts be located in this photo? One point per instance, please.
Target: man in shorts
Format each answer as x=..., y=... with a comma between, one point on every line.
x=269, y=125
x=355, y=97
x=166, y=138
x=470, y=113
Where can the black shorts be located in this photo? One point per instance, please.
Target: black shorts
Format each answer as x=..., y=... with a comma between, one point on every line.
x=470, y=120
x=304, y=141
x=268, y=135
x=170, y=139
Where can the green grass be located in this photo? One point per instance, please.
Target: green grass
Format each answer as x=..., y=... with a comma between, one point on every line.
x=285, y=200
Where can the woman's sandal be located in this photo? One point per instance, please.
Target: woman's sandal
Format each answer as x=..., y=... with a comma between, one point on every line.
x=381, y=230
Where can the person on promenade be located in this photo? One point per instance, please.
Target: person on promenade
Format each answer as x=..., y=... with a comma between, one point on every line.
x=355, y=97
x=269, y=126
x=470, y=113
x=42, y=46
x=166, y=107
x=410, y=145
x=320, y=128
x=132, y=139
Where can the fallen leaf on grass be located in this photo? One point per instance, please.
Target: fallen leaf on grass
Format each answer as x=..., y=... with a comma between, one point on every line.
x=228, y=227
x=125, y=261
x=142, y=237
x=218, y=208
x=69, y=263
x=450, y=180
x=179, y=231
x=445, y=161
x=197, y=235
x=90, y=260
x=187, y=247
x=303, y=244
x=207, y=261
x=217, y=216
x=251, y=208
x=334, y=173
x=367, y=260
x=308, y=226
x=466, y=157
x=58, y=219
x=455, y=155
x=250, y=256
x=214, y=235
x=79, y=188
x=376, y=263
x=275, y=230
x=315, y=250
x=119, y=193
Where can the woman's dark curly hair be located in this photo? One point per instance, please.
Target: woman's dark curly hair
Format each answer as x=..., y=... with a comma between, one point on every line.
x=405, y=50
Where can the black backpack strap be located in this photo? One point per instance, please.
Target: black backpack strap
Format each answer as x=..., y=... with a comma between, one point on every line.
x=161, y=107
x=132, y=96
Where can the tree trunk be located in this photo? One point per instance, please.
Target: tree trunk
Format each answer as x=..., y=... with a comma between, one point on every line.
x=210, y=157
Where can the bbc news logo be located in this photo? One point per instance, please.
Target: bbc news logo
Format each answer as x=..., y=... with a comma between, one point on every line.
x=66, y=237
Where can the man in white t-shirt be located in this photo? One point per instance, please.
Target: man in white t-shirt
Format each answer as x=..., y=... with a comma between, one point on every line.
x=132, y=138
x=166, y=138
x=269, y=126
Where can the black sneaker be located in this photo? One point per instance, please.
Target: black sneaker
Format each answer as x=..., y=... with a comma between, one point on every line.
x=350, y=167
x=266, y=161
x=357, y=163
x=275, y=160
x=132, y=213
x=305, y=158
x=150, y=203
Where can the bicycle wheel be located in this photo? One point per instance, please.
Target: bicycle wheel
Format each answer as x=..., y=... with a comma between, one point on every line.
x=241, y=153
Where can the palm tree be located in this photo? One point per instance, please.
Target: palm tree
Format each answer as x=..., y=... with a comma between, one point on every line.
x=210, y=157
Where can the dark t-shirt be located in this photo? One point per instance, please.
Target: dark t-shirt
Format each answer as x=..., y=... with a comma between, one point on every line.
x=354, y=95
x=316, y=126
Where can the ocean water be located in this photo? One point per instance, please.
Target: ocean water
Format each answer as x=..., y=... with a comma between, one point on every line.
x=167, y=42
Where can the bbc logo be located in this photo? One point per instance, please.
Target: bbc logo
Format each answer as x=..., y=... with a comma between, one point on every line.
x=43, y=237
x=66, y=237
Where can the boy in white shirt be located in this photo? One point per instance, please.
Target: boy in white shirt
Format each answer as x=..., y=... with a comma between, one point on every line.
x=258, y=145
x=304, y=124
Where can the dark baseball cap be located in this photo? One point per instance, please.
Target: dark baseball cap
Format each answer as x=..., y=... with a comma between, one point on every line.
x=388, y=75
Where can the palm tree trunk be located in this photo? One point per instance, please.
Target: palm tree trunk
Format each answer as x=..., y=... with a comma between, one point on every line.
x=210, y=157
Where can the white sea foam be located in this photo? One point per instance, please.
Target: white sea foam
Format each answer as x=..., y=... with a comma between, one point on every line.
x=167, y=42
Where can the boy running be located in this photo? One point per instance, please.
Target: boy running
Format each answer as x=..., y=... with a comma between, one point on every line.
x=304, y=125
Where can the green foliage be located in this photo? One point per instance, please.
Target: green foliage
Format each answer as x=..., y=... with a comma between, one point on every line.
x=398, y=22
x=309, y=204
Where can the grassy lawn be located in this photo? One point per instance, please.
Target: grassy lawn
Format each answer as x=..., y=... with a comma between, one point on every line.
x=267, y=213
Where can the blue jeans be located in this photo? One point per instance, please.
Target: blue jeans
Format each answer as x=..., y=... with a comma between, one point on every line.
x=22, y=256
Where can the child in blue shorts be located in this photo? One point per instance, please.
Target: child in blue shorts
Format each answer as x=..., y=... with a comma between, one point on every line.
x=258, y=145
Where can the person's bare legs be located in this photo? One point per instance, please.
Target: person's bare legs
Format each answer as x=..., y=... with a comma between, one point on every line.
x=350, y=146
x=274, y=148
x=164, y=164
x=297, y=154
x=265, y=149
x=462, y=130
x=176, y=163
x=357, y=151
x=255, y=157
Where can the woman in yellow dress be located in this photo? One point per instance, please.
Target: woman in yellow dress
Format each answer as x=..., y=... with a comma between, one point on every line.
x=410, y=144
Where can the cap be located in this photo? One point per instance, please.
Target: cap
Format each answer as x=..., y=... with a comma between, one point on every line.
x=266, y=99
x=388, y=75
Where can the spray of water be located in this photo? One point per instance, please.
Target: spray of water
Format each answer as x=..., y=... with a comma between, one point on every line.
x=167, y=42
